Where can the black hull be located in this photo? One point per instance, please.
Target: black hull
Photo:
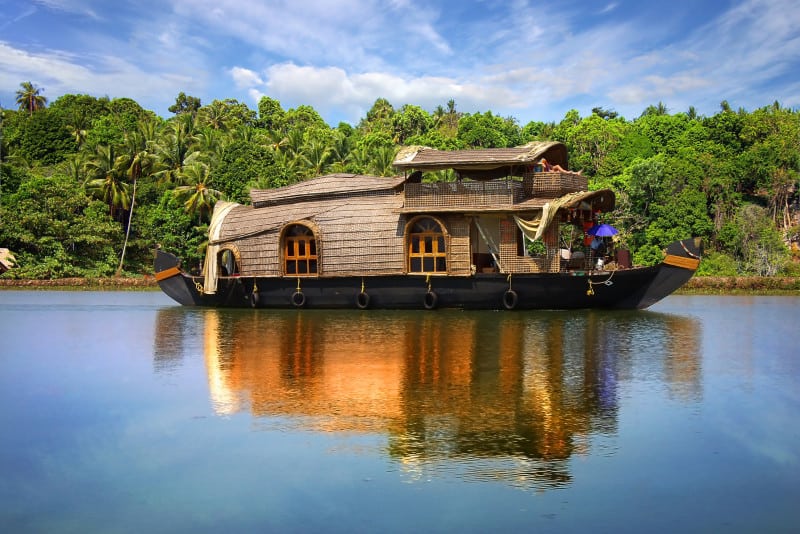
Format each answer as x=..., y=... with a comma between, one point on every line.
x=635, y=288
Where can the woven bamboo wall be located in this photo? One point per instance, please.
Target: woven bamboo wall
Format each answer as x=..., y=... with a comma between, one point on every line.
x=553, y=184
x=511, y=262
x=459, y=254
x=462, y=194
x=356, y=237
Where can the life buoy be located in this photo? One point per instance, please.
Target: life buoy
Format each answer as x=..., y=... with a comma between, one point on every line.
x=510, y=299
x=362, y=300
x=298, y=299
x=431, y=299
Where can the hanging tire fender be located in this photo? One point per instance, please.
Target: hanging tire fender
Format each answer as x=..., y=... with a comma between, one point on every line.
x=510, y=299
x=298, y=299
x=431, y=300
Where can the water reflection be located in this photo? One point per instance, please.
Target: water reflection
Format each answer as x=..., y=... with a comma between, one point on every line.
x=485, y=395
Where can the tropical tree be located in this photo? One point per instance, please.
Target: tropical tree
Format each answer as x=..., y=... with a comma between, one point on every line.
x=271, y=115
x=379, y=117
x=107, y=178
x=140, y=162
x=483, y=130
x=315, y=156
x=196, y=192
x=185, y=104
x=175, y=149
x=381, y=163
x=29, y=98
x=78, y=126
x=58, y=231
x=410, y=121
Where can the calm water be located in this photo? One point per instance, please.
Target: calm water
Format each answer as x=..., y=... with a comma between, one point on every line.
x=123, y=413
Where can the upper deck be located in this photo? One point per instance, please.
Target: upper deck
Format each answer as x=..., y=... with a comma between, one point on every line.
x=493, y=195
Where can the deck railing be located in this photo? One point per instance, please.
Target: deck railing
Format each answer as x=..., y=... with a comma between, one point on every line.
x=494, y=193
x=462, y=194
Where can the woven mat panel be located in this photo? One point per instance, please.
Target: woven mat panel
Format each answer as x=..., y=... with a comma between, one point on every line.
x=459, y=256
x=553, y=184
x=463, y=194
x=511, y=262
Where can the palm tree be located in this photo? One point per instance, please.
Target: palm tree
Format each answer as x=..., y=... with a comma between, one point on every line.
x=211, y=145
x=197, y=195
x=74, y=166
x=175, y=149
x=78, y=126
x=277, y=140
x=107, y=173
x=29, y=98
x=315, y=156
x=216, y=116
x=339, y=152
x=382, y=161
x=140, y=163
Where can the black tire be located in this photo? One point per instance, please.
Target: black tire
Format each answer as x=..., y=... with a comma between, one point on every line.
x=431, y=300
x=362, y=300
x=298, y=299
x=510, y=299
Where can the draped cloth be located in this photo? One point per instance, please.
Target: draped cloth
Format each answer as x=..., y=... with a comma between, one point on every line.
x=210, y=268
x=534, y=229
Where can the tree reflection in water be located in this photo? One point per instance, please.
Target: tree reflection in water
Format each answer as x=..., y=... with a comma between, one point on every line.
x=485, y=395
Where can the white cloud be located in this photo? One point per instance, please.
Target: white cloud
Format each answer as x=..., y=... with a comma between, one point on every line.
x=244, y=78
x=59, y=73
x=514, y=58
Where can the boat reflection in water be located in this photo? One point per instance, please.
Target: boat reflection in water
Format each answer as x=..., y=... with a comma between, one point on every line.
x=484, y=395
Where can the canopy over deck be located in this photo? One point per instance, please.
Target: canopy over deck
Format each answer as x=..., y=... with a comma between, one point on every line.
x=482, y=164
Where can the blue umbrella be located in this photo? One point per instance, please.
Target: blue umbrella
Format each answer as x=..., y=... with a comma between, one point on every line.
x=602, y=230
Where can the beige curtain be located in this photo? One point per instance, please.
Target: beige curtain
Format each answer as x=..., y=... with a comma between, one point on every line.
x=210, y=270
x=534, y=229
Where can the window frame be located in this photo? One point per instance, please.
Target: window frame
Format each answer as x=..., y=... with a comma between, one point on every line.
x=299, y=252
x=424, y=254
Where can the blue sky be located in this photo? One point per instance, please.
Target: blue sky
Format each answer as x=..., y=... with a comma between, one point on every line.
x=529, y=59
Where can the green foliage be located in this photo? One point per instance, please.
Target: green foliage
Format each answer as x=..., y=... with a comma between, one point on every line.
x=244, y=164
x=718, y=264
x=484, y=130
x=10, y=179
x=58, y=232
x=168, y=225
x=410, y=121
x=44, y=138
x=271, y=115
x=185, y=104
x=303, y=118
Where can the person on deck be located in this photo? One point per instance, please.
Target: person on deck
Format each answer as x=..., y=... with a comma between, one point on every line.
x=598, y=246
x=547, y=167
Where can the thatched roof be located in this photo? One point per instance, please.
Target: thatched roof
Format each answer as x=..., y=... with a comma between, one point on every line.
x=482, y=163
x=326, y=187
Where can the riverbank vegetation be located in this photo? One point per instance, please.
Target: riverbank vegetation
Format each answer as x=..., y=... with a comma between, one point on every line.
x=89, y=186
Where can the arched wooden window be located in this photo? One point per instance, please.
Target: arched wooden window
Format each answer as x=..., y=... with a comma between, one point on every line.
x=228, y=261
x=427, y=249
x=299, y=251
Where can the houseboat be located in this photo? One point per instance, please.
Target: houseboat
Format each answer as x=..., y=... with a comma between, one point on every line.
x=506, y=230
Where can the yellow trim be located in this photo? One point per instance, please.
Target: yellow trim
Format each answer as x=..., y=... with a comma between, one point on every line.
x=167, y=273
x=680, y=261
